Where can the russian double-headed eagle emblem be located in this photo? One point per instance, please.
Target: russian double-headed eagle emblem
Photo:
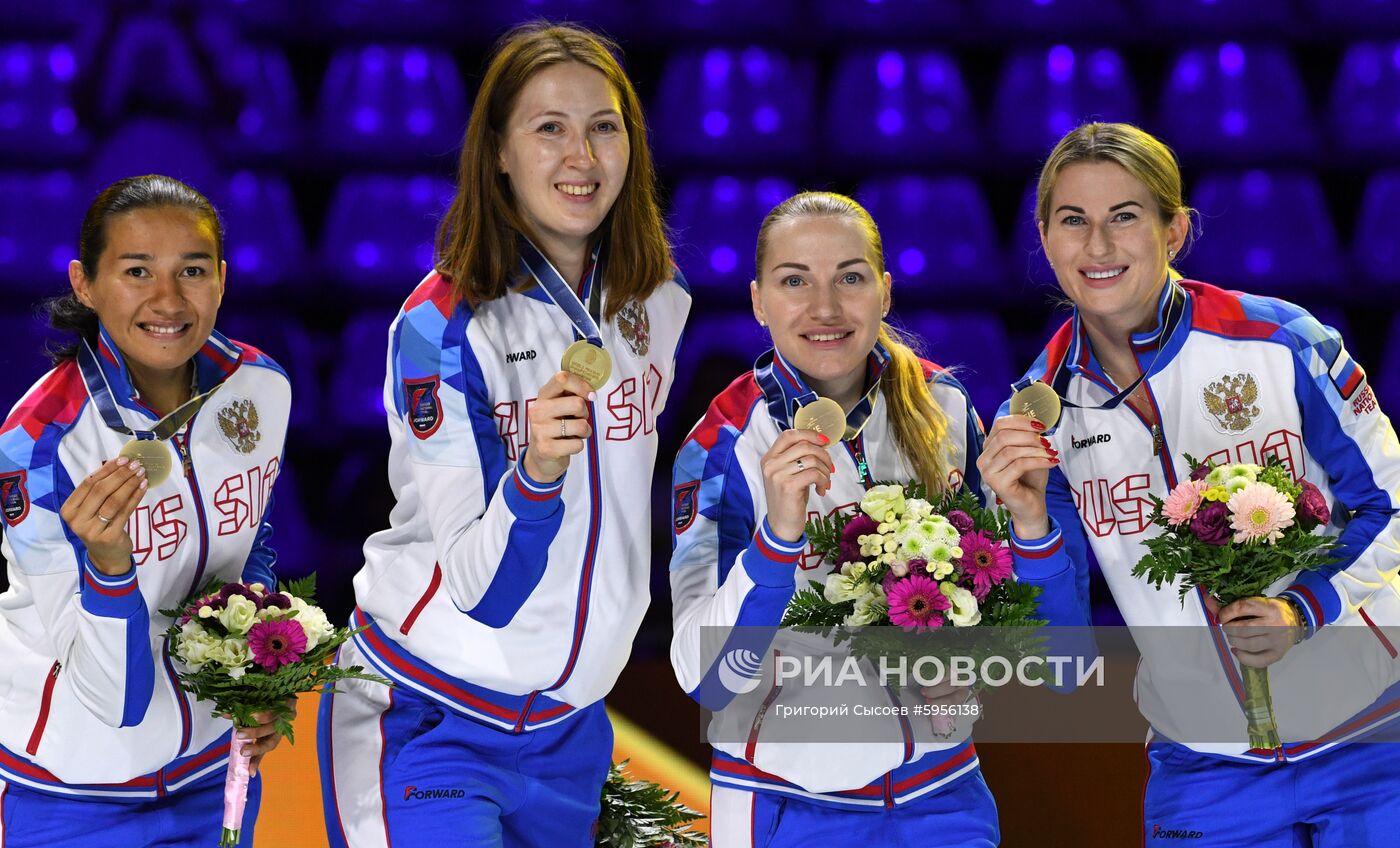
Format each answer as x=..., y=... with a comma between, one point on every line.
x=635, y=327
x=1231, y=402
x=239, y=423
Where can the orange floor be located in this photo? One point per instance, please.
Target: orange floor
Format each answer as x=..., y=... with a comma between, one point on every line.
x=291, y=808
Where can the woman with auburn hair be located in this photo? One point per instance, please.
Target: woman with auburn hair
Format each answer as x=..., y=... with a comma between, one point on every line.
x=525, y=374
x=746, y=480
x=1140, y=363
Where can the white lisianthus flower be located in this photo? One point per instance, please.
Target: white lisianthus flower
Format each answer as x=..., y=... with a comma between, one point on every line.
x=840, y=587
x=964, y=611
x=883, y=503
x=899, y=568
x=917, y=508
x=195, y=643
x=238, y=615
x=238, y=672
x=870, y=607
x=231, y=653
x=313, y=621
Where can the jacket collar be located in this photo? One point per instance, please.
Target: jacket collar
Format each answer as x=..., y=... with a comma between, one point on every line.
x=1154, y=347
x=213, y=363
x=785, y=391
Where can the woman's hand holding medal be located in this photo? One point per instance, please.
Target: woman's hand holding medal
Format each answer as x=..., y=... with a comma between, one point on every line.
x=559, y=426
x=797, y=461
x=98, y=510
x=1015, y=462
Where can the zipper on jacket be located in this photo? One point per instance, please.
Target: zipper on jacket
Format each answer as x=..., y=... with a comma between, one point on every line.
x=525, y=712
x=182, y=446
x=856, y=447
x=44, y=703
x=889, y=793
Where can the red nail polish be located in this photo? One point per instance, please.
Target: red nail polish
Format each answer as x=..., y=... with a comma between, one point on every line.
x=1037, y=426
x=1054, y=460
x=824, y=439
x=1046, y=442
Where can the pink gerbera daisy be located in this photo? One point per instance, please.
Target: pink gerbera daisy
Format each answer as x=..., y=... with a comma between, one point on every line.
x=1259, y=512
x=915, y=603
x=984, y=561
x=276, y=643
x=1183, y=501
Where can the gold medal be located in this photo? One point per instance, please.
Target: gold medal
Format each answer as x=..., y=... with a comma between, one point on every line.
x=153, y=455
x=1038, y=402
x=823, y=415
x=592, y=363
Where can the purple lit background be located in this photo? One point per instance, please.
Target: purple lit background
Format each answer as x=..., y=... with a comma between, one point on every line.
x=326, y=132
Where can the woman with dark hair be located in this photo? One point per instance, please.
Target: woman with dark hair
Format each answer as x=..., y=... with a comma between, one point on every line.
x=525, y=374
x=95, y=733
x=1155, y=368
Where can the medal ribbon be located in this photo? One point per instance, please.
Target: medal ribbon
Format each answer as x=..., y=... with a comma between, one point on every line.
x=101, y=393
x=1169, y=314
x=786, y=392
x=585, y=321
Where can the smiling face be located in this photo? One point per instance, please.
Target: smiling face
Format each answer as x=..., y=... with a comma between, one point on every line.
x=565, y=152
x=156, y=290
x=1106, y=239
x=823, y=298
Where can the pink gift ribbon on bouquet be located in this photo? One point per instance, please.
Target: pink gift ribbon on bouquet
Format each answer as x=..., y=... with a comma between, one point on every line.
x=236, y=786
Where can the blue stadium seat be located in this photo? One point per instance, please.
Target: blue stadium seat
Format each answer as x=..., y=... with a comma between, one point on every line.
x=37, y=118
x=1042, y=19
x=716, y=224
x=1220, y=18
x=883, y=17
x=1233, y=103
x=1358, y=18
x=379, y=231
x=1265, y=233
x=719, y=19
x=938, y=235
x=265, y=244
x=734, y=106
x=1028, y=266
x=900, y=106
x=152, y=66
x=39, y=231
x=381, y=101
x=357, y=384
x=1365, y=112
x=435, y=21
x=717, y=348
x=1044, y=93
x=150, y=146
x=1376, y=248
x=22, y=359
x=975, y=346
x=281, y=336
x=268, y=120
x=50, y=18
x=1385, y=377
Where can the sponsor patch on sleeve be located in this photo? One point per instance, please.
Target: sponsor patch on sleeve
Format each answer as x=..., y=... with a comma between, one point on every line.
x=423, y=405
x=14, y=497
x=684, y=506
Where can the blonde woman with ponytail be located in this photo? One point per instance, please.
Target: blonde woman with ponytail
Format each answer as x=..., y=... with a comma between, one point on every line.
x=745, y=484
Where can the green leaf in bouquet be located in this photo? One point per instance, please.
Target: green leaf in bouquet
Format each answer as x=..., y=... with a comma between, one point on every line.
x=640, y=814
x=304, y=588
x=810, y=608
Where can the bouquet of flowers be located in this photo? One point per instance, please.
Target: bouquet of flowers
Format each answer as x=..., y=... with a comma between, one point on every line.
x=640, y=814
x=901, y=560
x=1235, y=530
x=250, y=650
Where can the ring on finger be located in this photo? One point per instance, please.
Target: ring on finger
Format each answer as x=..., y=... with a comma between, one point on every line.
x=799, y=464
x=104, y=519
x=563, y=429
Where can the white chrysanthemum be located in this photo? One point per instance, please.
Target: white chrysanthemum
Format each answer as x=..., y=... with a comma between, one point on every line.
x=940, y=551
x=1221, y=474
x=939, y=570
x=238, y=615
x=964, y=611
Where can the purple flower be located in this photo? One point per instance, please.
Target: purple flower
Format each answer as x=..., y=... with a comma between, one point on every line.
x=960, y=520
x=919, y=566
x=1200, y=472
x=276, y=643
x=275, y=599
x=985, y=562
x=1211, y=524
x=1312, y=507
x=231, y=589
x=861, y=525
